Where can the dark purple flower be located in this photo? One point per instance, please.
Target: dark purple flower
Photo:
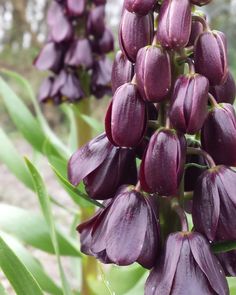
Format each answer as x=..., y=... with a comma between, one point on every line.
x=189, y=101
x=210, y=56
x=228, y=262
x=153, y=73
x=126, y=231
x=101, y=77
x=214, y=204
x=75, y=7
x=50, y=57
x=225, y=92
x=122, y=71
x=187, y=267
x=162, y=166
x=96, y=21
x=218, y=134
x=126, y=107
x=103, y=168
x=196, y=30
x=139, y=6
x=200, y=2
x=174, y=23
x=105, y=44
x=130, y=41
x=45, y=90
x=79, y=54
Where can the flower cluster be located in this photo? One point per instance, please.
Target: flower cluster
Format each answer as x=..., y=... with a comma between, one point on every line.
x=75, y=52
x=171, y=109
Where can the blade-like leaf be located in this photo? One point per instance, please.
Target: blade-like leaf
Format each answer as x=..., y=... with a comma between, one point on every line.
x=45, y=205
x=32, y=230
x=77, y=196
x=33, y=265
x=10, y=157
x=28, y=89
x=224, y=246
x=93, y=123
x=16, y=272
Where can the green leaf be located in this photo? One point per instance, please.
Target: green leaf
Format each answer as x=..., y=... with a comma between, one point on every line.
x=16, y=272
x=232, y=285
x=77, y=196
x=32, y=229
x=93, y=123
x=10, y=157
x=22, y=117
x=223, y=246
x=45, y=204
x=33, y=265
x=41, y=118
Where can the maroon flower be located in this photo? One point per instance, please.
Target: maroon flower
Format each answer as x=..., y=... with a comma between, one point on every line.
x=174, y=23
x=218, y=134
x=211, y=56
x=126, y=231
x=122, y=71
x=139, y=6
x=225, y=92
x=214, y=204
x=130, y=41
x=196, y=30
x=189, y=103
x=126, y=108
x=163, y=164
x=75, y=7
x=153, y=73
x=200, y=2
x=228, y=262
x=96, y=21
x=187, y=267
x=103, y=167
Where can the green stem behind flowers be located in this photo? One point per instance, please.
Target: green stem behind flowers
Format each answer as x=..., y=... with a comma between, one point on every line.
x=84, y=134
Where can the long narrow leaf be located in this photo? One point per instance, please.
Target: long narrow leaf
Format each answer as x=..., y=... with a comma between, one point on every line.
x=43, y=279
x=28, y=89
x=75, y=193
x=45, y=204
x=10, y=157
x=16, y=272
x=33, y=230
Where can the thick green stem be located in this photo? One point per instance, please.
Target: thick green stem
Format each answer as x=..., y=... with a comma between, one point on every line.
x=84, y=134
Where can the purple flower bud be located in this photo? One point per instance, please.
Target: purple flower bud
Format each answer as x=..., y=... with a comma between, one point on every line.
x=189, y=103
x=75, y=7
x=45, y=90
x=139, y=6
x=79, y=54
x=126, y=107
x=187, y=267
x=214, y=204
x=218, y=134
x=99, y=2
x=49, y=58
x=122, y=71
x=105, y=44
x=225, y=92
x=153, y=73
x=96, y=21
x=228, y=262
x=196, y=30
x=101, y=77
x=211, y=56
x=200, y=2
x=130, y=41
x=103, y=168
x=174, y=23
x=163, y=164
x=126, y=231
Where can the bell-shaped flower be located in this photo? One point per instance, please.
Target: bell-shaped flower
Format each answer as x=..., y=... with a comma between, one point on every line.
x=187, y=267
x=214, y=204
x=126, y=231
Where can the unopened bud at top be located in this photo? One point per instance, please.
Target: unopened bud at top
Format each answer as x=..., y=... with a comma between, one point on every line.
x=139, y=6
